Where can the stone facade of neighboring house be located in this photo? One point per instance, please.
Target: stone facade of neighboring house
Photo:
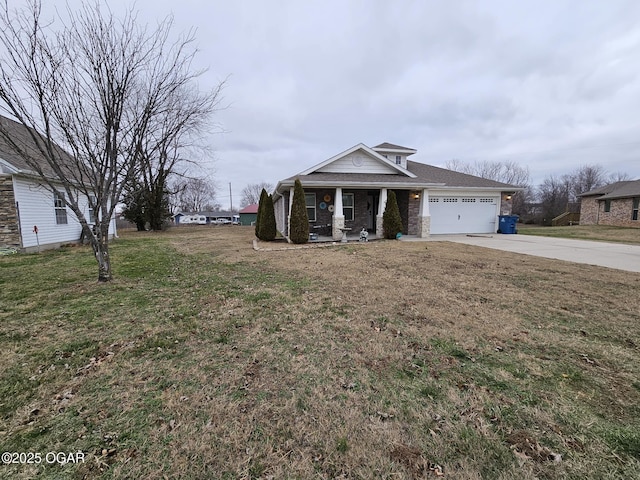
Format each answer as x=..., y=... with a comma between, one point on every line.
x=616, y=204
x=9, y=227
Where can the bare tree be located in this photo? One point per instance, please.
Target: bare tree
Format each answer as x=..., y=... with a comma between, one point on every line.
x=196, y=195
x=584, y=179
x=506, y=172
x=250, y=194
x=93, y=87
x=618, y=177
x=553, y=194
x=173, y=134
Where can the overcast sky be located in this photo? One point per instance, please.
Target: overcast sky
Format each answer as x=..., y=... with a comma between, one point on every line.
x=549, y=84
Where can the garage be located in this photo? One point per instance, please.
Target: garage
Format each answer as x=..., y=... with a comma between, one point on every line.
x=458, y=214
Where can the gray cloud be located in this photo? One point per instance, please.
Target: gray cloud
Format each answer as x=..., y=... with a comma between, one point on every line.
x=553, y=85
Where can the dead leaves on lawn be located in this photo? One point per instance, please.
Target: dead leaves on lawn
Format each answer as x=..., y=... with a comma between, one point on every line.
x=415, y=462
x=525, y=448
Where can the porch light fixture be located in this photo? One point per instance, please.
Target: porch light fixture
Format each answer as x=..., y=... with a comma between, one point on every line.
x=416, y=195
x=508, y=197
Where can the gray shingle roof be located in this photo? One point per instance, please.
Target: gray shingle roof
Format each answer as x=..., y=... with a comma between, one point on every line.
x=391, y=146
x=425, y=175
x=625, y=189
x=20, y=135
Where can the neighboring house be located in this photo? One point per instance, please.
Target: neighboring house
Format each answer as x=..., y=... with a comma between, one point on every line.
x=25, y=203
x=350, y=190
x=249, y=214
x=615, y=204
x=203, y=218
x=187, y=218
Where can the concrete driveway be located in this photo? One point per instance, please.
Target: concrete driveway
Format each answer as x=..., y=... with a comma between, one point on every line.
x=612, y=255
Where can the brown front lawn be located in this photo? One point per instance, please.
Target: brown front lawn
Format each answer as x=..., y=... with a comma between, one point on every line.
x=207, y=359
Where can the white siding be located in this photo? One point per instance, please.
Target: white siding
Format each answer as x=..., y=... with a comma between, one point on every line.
x=358, y=162
x=36, y=208
x=280, y=211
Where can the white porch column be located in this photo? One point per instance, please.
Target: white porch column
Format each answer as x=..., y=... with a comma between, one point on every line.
x=289, y=212
x=338, y=215
x=382, y=204
x=424, y=217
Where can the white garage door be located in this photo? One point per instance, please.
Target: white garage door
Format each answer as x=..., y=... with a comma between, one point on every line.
x=463, y=214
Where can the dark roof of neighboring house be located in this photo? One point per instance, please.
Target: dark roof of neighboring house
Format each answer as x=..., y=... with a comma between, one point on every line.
x=253, y=208
x=22, y=137
x=391, y=146
x=425, y=174
x=625, y=189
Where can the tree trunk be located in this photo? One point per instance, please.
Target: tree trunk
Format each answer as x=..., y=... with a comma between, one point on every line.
x=100, y=244
x=104, y=264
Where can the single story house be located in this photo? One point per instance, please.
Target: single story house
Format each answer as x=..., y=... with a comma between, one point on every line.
x=26, y=203
x=204, y=218
x=615, y=204
x=349, y=190
x=249, y=214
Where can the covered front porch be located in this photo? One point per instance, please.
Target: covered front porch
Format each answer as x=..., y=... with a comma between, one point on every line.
x=332, y=211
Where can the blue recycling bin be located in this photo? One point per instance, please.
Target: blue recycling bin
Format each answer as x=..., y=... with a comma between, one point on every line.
x=508, y=224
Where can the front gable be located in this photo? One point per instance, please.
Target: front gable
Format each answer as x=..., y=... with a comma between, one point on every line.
x=359, y=159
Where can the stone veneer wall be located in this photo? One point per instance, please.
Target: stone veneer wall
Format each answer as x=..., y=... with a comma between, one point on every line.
x=424, y=227
x=506, y=205
x=415, y=221
x=9, y=227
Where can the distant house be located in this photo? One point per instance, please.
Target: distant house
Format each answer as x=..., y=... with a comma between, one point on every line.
x=26, y=202
x=349, y=191
x=615, y=204
x=204, y=218
x=249, y=214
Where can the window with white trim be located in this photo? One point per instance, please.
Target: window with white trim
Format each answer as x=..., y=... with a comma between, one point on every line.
x=310, y=202
x=487, y=200
x=450, y=200
x=634, y=212
x=468, y=200
x=398, y=160
x=348, y=203
x=60, y=208
x=92, y=213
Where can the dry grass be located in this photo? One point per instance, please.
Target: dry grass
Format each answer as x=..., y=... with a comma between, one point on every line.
x=601, y=233
x=207, y=359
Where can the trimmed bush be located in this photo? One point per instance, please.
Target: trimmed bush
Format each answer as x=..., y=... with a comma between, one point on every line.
x=266, y=218
x=268, y=221
x=261, y=205
x=391, y=219
x=299, y=221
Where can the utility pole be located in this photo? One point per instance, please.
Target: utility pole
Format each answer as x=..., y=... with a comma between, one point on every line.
x=230, y=199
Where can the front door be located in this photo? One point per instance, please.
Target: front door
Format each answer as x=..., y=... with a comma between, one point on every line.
x=372, y=211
